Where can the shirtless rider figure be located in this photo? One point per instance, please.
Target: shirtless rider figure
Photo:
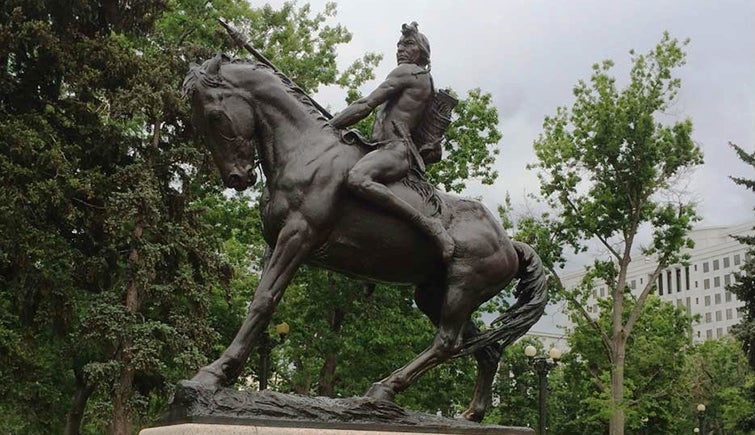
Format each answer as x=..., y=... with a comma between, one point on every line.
x=401, y=101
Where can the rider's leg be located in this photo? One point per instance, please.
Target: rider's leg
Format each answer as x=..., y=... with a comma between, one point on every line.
x=385, y=165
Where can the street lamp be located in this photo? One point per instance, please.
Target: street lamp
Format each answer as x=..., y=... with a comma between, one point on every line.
x=542, y=366
x=265, y=349
x=701, y=417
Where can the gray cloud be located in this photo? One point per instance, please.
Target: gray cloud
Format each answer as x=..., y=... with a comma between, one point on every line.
x=529, y=55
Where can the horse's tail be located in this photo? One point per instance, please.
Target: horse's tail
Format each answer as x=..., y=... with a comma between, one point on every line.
x=532, y=296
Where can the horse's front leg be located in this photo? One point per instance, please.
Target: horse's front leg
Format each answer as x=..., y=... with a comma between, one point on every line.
x=292, y=246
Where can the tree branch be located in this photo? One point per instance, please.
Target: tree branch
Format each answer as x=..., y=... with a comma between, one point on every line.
x=635, y=314
x=603, y=240
x=604, y=339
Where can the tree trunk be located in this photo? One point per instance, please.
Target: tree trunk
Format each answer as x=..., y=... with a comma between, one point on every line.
x=616, y=423
x=327, y=384
x=121, y=423
x=80, y=398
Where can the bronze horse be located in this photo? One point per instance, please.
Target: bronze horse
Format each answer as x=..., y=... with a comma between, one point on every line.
x=251, y=115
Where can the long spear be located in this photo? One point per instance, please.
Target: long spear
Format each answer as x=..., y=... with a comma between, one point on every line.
x=241, y=41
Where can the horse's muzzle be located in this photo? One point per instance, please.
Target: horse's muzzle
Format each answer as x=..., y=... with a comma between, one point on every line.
x=240, y=181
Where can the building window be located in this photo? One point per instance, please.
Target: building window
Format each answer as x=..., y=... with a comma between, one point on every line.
x=729, y=314
x=689, y=307
x=716, y=281
x=602, y=292
x=728, y=296
x=709, y=333
x=640, y=281
x=697, y=301
x=660, y=285
x=706, y=283
x=706, y=269
x=719, y=332
x=668, y=281
x=708, y=317
x=736, y=259
x=698, y=334
x=633, y=284
x=718, y=316
x=727, y=279
x=707, y=301
x=716, y=264
x=696, y=286
x=678, y=280
x=686, y=278
x=718, y=298
x=726, y=262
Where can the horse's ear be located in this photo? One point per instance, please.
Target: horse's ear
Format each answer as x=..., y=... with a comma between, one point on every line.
x=214, y=66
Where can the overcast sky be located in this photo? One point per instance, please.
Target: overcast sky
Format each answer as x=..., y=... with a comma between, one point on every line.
x=530, y=54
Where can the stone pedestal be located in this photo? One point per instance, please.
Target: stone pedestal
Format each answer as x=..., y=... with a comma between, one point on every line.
x=197, y=409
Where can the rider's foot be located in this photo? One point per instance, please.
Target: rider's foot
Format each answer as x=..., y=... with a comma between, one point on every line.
x=441, y=237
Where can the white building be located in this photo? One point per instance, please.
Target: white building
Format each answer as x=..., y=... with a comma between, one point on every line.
x=699, y=286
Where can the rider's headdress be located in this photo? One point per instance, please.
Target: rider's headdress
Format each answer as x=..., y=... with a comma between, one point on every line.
x=422, y=41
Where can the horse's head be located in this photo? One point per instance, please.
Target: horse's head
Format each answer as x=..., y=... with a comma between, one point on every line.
x=226, y=120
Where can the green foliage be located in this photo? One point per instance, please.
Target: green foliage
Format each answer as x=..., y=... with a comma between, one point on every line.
x=719, y=377
x=516, y=387
x=470, y=144
x=604, y=162
x=744, y=285
x=744, y=288
x=117, y=250
x=607, y=168
x=654, y=367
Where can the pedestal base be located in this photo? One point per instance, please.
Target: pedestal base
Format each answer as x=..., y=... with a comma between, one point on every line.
x=197, y=409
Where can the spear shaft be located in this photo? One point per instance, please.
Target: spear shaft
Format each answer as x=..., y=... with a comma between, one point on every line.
x=241, y=41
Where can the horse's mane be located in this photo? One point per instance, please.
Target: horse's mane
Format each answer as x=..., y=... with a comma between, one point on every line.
x=202, y=75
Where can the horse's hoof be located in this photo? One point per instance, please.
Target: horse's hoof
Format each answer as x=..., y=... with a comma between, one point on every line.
x=379, y=391
x=473, y=415
x=208, y=377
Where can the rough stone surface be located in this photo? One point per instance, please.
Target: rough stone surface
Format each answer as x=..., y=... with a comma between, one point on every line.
x=195, y=403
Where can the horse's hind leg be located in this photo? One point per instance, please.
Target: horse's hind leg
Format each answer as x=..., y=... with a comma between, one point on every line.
x=429, y=300
x=455, y=311
x=487, y=365
x=292, y=246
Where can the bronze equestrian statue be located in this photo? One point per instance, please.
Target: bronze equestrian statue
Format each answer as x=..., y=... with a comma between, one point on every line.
x=315, y=211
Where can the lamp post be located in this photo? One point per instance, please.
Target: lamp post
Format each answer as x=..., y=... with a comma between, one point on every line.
x=542, y=366
x=701, y=417
x=265, y=349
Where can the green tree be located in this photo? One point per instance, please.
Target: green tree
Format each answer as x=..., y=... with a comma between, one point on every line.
x=744, y=288
x=744, y=285
x=113, y=283
x=604, y=165
x=657, y=400
x=516, y=387
x=719, y=377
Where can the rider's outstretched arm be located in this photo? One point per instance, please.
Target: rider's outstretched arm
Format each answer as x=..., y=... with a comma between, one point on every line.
x=361, y=108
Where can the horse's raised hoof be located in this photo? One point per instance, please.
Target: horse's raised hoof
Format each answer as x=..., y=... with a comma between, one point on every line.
x=207, y=376
x=472, y=415
x=379, y=391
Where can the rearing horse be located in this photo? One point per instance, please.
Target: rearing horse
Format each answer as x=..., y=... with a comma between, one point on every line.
x=250, y=114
